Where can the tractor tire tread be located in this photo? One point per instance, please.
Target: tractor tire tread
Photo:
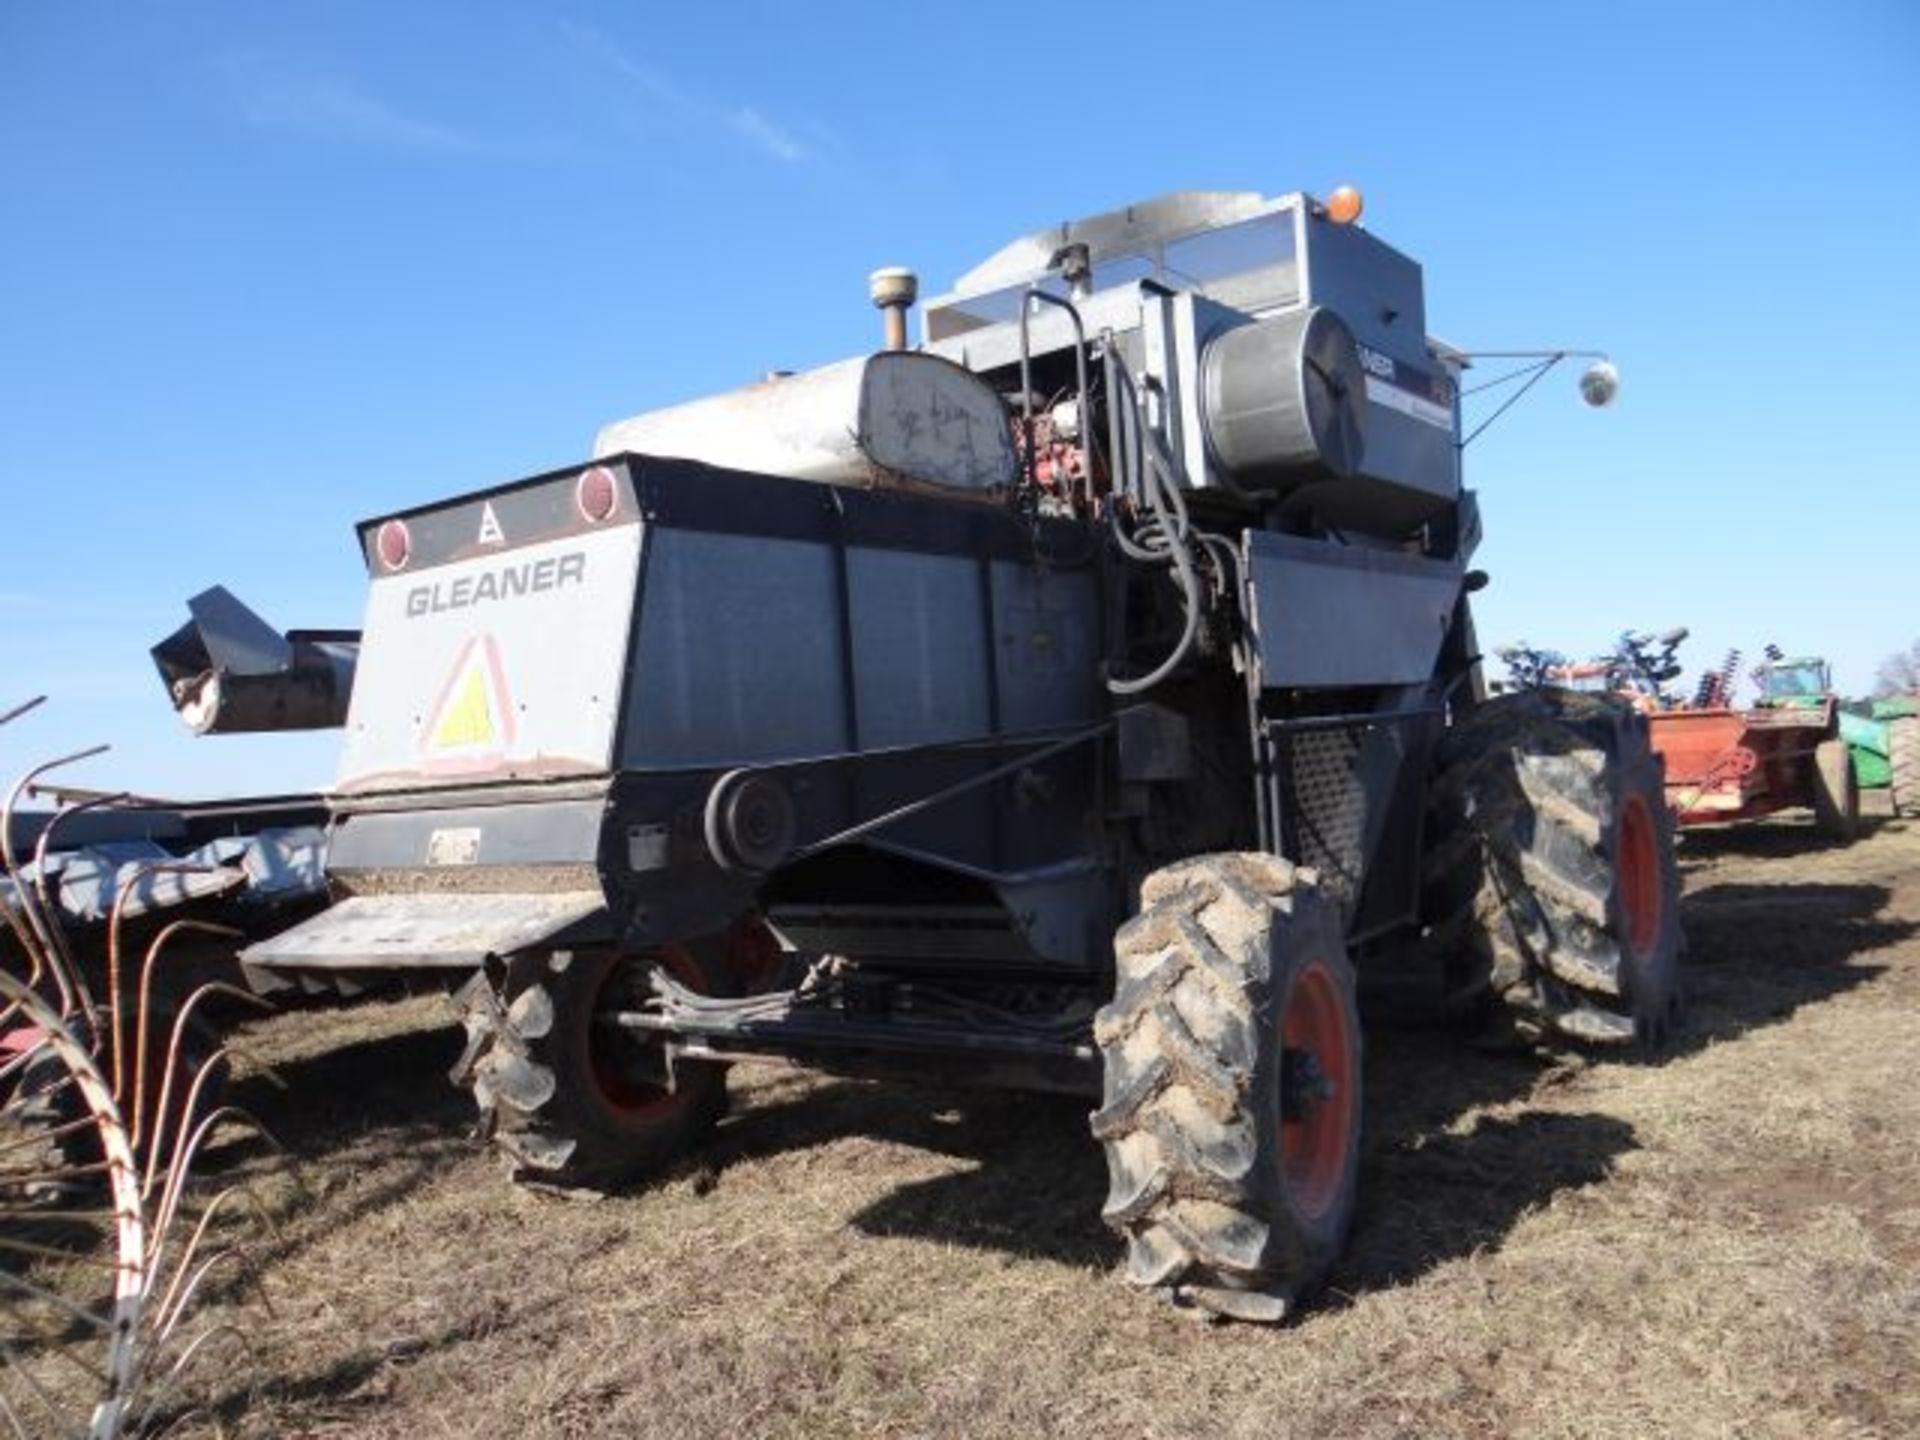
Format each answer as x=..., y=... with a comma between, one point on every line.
x=1180, y=1119
x=1523, y=898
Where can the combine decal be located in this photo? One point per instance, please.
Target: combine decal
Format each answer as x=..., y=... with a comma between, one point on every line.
x=502, y=662
x=530, y=577
x=1413, y=392
x=472, y=723
x=490, y=531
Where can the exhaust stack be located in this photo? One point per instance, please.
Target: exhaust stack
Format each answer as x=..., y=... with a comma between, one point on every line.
x=894, y=288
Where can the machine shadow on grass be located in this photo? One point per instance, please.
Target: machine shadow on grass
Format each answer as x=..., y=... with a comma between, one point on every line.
x=393, y=1081
x=350, y=1386
x=384, y=1102
x=1758, y=952
x=1782, y=839
x=1430, y=1191
x=1038, y=1178
x=1428, y=1194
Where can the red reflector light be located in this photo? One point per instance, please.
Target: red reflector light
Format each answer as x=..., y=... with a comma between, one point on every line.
x=393, y=544
x=596, y=494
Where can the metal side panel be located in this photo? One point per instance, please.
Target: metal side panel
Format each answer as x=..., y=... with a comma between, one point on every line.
x=453, y=840
x=379, y=932
x=737, y=653
x=1046, y=646
x=920, y=653
x=1331, y=615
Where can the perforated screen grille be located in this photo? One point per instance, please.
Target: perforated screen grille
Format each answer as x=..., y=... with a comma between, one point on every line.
x=1324, y=799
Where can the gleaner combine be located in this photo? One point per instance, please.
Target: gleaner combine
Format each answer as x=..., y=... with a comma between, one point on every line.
x=1077, y=701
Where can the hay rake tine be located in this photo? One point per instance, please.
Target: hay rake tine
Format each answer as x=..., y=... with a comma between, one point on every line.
x=98, y=1167
x=35, y=1212
x=12, y=1356
x=170, y=1381
x=166, y=1319
x=25, y=1057
x=58, y=1301
x=121, y=1324
x=145, y=1011
x=116, y=991
x=177, y=1167
x=49, y=901
x=192, y=1104
x=28, y=946
x=26, y=897
x=199, y=1233
x=125, y=1340
x=46, y=1252
x=212, y=987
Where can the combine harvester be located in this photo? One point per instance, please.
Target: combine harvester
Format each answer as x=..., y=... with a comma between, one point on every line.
x=1078, y=702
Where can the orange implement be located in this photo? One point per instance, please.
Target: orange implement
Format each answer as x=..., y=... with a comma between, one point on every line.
x=1727, y=765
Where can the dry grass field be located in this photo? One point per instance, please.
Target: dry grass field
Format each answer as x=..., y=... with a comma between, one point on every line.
x=1724, y=1243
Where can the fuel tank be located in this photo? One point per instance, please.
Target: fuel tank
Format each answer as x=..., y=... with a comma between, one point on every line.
x=892, y=420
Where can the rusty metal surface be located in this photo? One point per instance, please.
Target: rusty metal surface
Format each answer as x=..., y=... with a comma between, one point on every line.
x=1726, y=765
x=469, y=879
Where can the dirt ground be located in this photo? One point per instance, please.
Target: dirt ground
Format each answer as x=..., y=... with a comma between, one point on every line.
x=1723, y=1243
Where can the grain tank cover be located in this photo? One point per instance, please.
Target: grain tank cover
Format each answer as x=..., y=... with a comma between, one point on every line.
x=897, y=419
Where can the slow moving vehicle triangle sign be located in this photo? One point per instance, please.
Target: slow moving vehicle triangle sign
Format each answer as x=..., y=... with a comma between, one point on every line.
x=472, y=722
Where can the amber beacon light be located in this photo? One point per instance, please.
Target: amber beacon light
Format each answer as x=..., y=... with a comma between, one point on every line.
x=1345, y=205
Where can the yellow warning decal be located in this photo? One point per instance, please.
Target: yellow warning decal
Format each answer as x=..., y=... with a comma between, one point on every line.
x=466, y=721
x=474, y=716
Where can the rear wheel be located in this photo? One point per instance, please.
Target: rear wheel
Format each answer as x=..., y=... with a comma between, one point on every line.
x=1231, y=1108
x=1903, y=756
x=1551, y=885
x=1836, y=792
x=569, y=1096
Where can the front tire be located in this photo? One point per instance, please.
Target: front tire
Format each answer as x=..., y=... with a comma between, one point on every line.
x=1551, y=884
x=1232, y=1101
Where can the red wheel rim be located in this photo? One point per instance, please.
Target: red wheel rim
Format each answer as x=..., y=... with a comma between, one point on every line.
x=1639, y=865
x=1318, y=1060
x=610, y=1051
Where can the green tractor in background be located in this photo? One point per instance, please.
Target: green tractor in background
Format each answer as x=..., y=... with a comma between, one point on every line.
x=1883, y=737
x=1885, y=745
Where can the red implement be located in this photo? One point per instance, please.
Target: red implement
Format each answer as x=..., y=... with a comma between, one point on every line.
x=1727, y=765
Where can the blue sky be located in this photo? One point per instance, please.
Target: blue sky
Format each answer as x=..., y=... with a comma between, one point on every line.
x=266, y=270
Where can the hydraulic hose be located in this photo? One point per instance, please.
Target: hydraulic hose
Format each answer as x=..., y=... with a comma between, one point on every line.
x=1164, y=539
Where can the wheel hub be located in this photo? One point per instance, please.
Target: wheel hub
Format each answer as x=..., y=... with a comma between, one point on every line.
x=1319, y=1060
x=1304, y=1085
